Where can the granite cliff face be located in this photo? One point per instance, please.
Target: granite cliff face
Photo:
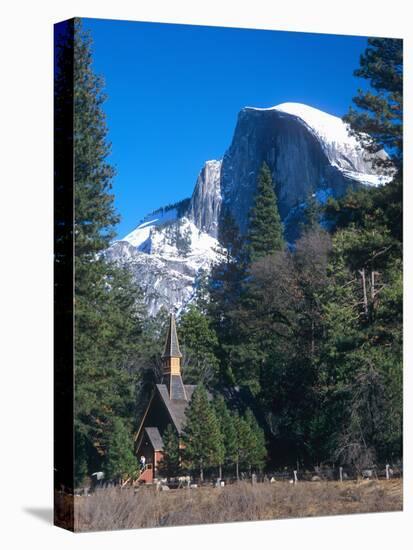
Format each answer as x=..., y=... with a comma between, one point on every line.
x=166, y=254
x=206, y=199
x=309, y=152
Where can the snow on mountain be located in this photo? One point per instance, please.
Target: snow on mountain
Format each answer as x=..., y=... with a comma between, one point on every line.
x=305, y=150
x=139, y=237
x=166, y=255
x=309, y=152
x=342, y=149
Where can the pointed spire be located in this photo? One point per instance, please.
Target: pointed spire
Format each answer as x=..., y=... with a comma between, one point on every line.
x=171, y=348
x=171, y=358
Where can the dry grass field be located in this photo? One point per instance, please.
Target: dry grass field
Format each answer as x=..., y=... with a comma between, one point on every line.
x=115, y=508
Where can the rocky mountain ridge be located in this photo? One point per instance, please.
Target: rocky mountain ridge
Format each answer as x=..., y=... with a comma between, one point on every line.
x=309, y=152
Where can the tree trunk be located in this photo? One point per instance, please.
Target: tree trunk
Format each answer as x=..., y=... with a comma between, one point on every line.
x=201, y=471
x=220, y=471
x=365, y=299
x=237, y=469
x=373, y=289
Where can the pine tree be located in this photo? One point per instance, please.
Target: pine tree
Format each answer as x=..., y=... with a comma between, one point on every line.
x=378, y=122
x=361, y=361
x=245, y=444
x=108, y=307
x=258, y=451
x=170, y=463
x=228, y=431
x=311, y=214
x=201, y=298
x=265, y=234
x=199, y=344
x=225, y=288
x=264, y=241
x=120, y=460
x=250, y=445
x=201, y=436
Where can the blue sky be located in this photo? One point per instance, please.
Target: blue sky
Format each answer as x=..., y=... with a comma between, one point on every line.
x=174, y=92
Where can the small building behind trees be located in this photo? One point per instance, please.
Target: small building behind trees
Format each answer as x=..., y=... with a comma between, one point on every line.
x=167, y=406
x=185, y=430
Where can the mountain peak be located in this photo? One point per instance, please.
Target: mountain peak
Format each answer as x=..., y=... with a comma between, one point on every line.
x=308, y=151
x=342, y=149
x=328, y=127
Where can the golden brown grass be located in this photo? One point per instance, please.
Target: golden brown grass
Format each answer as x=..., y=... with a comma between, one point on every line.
x=145, y=507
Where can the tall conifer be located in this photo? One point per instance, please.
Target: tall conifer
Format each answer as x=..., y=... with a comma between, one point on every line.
x=199, y=344
x=202, y=436
x=378, y=119
x=228, y=431
x=265, y=234
x=225, y=288
x=257, y=452
x=120, y=460
x=170, y=464
x=107, y=317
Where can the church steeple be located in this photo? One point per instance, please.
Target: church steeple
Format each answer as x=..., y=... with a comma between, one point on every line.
x=171, y=359
x=171, y=349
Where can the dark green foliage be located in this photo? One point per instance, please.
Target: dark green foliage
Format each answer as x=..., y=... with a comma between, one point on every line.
x=312, y=335
x=369, y=208
x=150, y=346
x=95, y=216
x=229, y=237
x=202, y=289
x=202, y=437
x=281, y=326
x=265, y=235
x=311, y=214
x=361, y=359
x=250, y=444
x=245, y=348
x=81, y=462
x=170, y=465
x=181, y=207
x=258, y=451
x=362, y=348
x=228, y=430
x=225, y=289
x=199, y=345
x=120, y=460
x=315, y=334
x=108, y=310
x=380, y=110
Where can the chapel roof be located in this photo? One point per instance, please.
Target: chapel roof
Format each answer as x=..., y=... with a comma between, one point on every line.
x=155, y=438
x=176, y=407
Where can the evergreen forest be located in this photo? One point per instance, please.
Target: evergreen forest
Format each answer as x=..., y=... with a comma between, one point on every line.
x=299, y=344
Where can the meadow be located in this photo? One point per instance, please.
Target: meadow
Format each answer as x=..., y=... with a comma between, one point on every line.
x=129, y=508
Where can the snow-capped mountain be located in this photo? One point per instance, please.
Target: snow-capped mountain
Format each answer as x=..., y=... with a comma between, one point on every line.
x=308, y=152
x=166, y=254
